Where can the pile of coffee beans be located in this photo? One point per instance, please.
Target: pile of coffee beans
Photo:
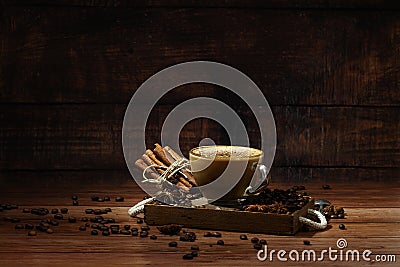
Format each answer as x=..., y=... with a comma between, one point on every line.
x=332, y=212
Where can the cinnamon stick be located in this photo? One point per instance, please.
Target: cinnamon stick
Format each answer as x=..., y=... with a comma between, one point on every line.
x=159, y=152
x=153, y=157
x=142, y=166
x=176, y=156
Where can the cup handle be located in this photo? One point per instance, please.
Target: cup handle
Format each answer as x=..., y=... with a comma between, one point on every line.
x=259, y=183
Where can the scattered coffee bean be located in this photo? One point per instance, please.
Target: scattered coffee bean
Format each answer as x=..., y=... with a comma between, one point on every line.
x=342, y=226
x=135, y=233
x=29, y=226
x=8, y=219
x=243, y=237
x=100, y=199
x=153, y=237
x=87, y=224
x=45, y=224
x=173, y=244
x=49, y=231
x=19, y=226
x=82, y=228
x=194, y=253
x=326, y=186
x=106, y=198
x=208, y=234
x=108, y=209
x=13, y=206
x=254, y=240
x=220, y=242
x=41, y=228
x=104, y=222
x=257, y=246
x=127, y=227
x=139, y=221
x=64, y=210
x=32, y=233
x=1, y=209
x=16, y=220
x=26, y=210
x=114, y=231
x=262, y=242
x=94, y=232
x=94, y=198
x=170, y=229
x=99, y=218
x=340, y=216
x=119, y=199
x=54, y=211
x=145, y=228
x=307, y=242
x=89, y=211
x=105, y=233
x=143, y=234
x=84, y=219
x=334, y=216
x=188, y=237
x=125, y=232
x=53, y=222
x=111, y=220
x=103, y=228
x=114, y=226
x=72, y=219
x=74, y=197
x=75, y=203
x=97, y=211
x=216, y=234
x=194, y=248
x=188, y=256
x=95, y=226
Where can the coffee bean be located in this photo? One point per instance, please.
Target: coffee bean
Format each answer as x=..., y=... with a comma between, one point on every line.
x=220, y=242
x=29, y=226
x=95, y=226
x=16, y=220
x=106, y=198
x=105, y=233
x=333, y=216
x=188, y=256
x=64, y=210
x=87, y=224
x=243, y=237
x=72, y=219
x=143, y=234
x=262, y=242
x=145, y=228
x=139, y=221
x=127, y=227
x=84, y=219
x=94, y=198
x=125, y=232
x=135, y=233
x=307, y=242
x=173, y=244
x=103, y=228
x=326, y=186
x=26, y=210
x=54, y=211
x=75, y=203
x=104, y=222
x=188, y=237
x=8, y=219
x=108, y=209
x=94, y=232
x=194, y=253
x=41, y=228
x=194, y=248
x=1, y=209
x=89, y=211
x=13, y=206
x=82, y=228
x=153, y=237
x=32, y=233
x=134, y=229
x=254, y=240
x=74, y=197
x=19, y=226
x=302, y=187
x=119, y=199
x=111, y=220
x=208, y=234
x=342, y=226
x=49, y=231
x=97, y=211
x=53, y=222
x=45, y=224
x=115, y=231
x=341, y=216
x=216, y=234
x=257, y=246
x=100, y=199
x=114, y=226
x=99, y=218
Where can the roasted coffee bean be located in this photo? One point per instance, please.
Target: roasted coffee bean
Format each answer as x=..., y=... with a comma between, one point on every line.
x=1, y=209
x=143, y=233
x=104, y=222
x=194, y=253
x=153, y=237
x=54, y=211
x=105, y=233
x=340, y=216
x=89, y=211
x=93, y=220
x=49, y=231
x=29, y=226
x=145, y=228
x=82, y=228
x=94, y=198
x=263, y=242
x=45, y=224
x=53, y=222
x=41, y=228
x=87, y=224
x=125, y=232
x=173, y=244
x=100, y=199
x=243, y=237
x=216, y=234
x=302, y=187
x=99, y=218
x=114, y=231
x=35, y=211
x=194, y=248
x=64, y=210
x=95, y=226
x=19, y=226
x=32, y=233
x=254, y=240
x=101, y=225
x=84, y=219
x=114, y=226
x=106, y=198
x=97, y=212
x=108, y=209
x=16, y=220
x=127, y=227
x=74, y=197
x=307, y=242
x=135, y=233
x=103, y=228
x=188, y=237
x=26, y=210
x=94, y=232
x=13, y=206
x=139, y=221
x=208, y=234
x=111, y=220
x=188, y=256
x=326, y=186
x=257, y=246
x=333, y=216
x=72, y=219
x=220, y=242
x=8, y=219
x=342, y=226
x=75, y=203
x=119, y=199
x=7, y=207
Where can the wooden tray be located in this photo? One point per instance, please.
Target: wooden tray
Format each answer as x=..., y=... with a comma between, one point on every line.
x=226, y=219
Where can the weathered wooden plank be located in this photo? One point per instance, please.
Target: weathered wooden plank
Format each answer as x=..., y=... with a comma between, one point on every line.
x=297, y=57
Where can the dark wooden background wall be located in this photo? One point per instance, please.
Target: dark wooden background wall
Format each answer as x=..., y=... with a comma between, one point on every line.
x=329, y=69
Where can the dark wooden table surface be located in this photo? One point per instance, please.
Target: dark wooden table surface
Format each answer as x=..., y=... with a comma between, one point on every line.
x=372, y=222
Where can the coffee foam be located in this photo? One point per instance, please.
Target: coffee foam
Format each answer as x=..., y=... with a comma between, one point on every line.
x=225, y=152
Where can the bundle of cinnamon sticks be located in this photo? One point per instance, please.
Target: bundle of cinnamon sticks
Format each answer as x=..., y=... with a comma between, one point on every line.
x=165, y=156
